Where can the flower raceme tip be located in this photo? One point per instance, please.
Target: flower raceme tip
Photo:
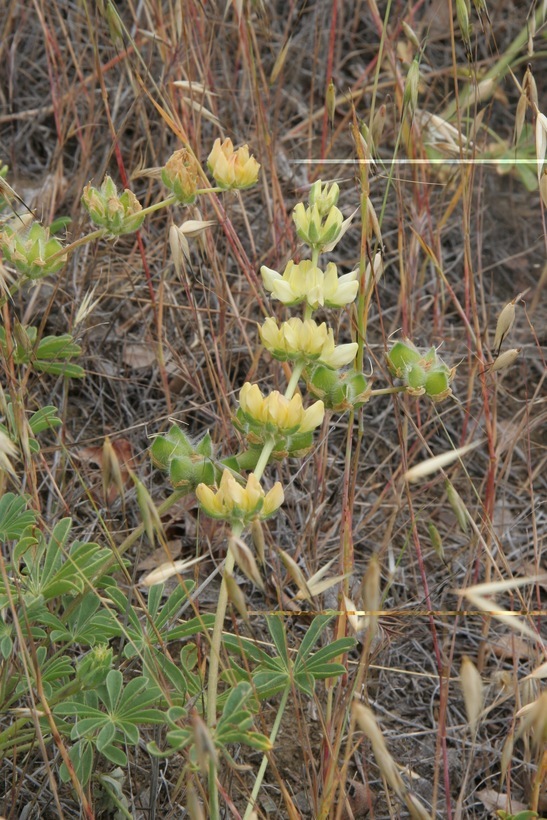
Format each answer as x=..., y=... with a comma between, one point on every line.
x=236, y=503
x=305, y=341
x=306, y=282
x=232, y=168
x=314, y=229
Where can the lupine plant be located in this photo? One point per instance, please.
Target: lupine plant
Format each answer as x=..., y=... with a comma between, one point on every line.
x=89, y=702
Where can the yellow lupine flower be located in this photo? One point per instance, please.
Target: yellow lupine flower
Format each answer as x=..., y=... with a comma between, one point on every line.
x=279, y=414
x=233, y=502
x=305, y=340
x=232, y=168
x=306, y=282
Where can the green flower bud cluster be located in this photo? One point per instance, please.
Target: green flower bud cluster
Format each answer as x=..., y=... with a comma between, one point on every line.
x=422, y=373
x=118, y=213
x=324, y=196
x=181, y=175
x=339, y=391
x=188, y=464
x=93, y=668
x=32, y=251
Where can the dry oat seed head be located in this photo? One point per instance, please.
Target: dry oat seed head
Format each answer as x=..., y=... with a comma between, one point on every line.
x=505, y=322
x=166, y=571
x=431, y=465
x=367, y=723
x=543, y=187
x=473, y=691
x=506, y=359
x=245, y=560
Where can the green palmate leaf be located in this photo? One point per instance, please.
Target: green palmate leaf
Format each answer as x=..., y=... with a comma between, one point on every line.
x=51, y=569
x=326, y=653
x=268, y=684
x=87, y=624
x=236, y=720
x=14, y=517
x=115, y=755
x=246, y=647
x=113, y=688
x=106, y=736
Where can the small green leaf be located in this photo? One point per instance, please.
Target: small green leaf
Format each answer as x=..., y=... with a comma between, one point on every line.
x=105, y=736
x=14, y=518
x=115, y=755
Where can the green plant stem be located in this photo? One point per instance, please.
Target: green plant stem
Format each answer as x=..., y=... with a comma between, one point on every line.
x=387, y=391
x=220, y=614
x=164, y=203
x=295, y=377
x=214, y=663
x=83, y=240
x=172, y=200
x=264, y=764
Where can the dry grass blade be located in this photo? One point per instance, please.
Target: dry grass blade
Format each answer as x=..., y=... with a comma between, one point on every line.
x=435, y=463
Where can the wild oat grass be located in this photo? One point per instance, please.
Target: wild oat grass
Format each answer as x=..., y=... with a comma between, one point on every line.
x=382, y=648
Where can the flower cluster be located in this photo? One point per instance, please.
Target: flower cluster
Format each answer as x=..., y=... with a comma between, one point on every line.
x=422, y=373
x=305, y=282
x=279, y=419
x=305, y=341
x=181, y=175
x=32, y=251
x=117, y=213
x=232, y=168
x=237, y=504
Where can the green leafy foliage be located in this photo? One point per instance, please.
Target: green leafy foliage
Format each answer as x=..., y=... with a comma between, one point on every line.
x=234, y=727
x=51, y=354
x=110, y=716
x=14, y=517
x=149, y=633
x=274, y=674
x=44, y=419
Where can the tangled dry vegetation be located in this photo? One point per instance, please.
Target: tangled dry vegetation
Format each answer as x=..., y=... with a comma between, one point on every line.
x=463, y=234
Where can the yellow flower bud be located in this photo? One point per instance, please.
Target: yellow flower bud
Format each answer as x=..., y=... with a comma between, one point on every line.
x=232, y=168
x=118, y=213
x=324, y=196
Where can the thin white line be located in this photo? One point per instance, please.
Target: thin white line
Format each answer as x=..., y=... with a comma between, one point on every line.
x=433, y=161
